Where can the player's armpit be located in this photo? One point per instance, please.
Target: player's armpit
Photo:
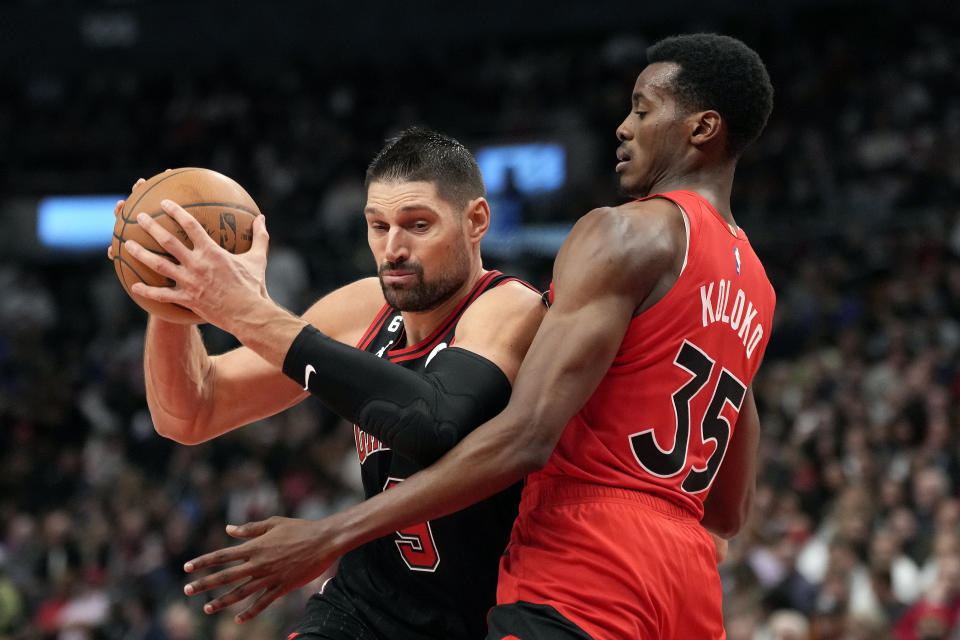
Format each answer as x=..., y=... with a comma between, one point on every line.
x=728, y=504
x=418, y=415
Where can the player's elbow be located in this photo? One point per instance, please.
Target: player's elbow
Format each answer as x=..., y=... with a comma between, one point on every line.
x=531, y=463
x=534, y=457
x=726, y=518
x=177, y=435
x=725, y=527
x=533, y=448
x=180, y=431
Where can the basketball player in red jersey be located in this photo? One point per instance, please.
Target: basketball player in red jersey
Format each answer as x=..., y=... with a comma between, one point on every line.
x=632, y=412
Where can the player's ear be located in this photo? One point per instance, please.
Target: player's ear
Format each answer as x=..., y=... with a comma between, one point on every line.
x=476, y=218
x=705, y=126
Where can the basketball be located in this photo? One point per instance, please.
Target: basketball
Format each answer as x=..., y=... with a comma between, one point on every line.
x=224, y=209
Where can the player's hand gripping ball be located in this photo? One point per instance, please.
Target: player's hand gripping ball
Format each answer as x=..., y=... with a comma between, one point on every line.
x=218, y=203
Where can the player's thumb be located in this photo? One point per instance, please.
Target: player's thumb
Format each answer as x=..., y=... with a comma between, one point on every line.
x=261, y=239
x=248, y=530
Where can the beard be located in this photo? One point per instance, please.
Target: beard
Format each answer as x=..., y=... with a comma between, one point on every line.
x=425, y=295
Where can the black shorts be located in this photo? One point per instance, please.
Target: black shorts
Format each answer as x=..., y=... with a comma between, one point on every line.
x=330, y=615
x=528, y=621
x=334, y=614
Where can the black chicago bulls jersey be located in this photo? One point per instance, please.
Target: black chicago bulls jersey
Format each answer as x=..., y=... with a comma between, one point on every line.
x=436, y=579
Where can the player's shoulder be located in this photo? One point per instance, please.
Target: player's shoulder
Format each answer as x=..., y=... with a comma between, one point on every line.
x=368, y=287
x=634, y=233
x=509, y=296
x=511, y=303
x=344, y=313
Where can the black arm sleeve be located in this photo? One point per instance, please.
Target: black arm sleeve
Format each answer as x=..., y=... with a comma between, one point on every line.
x=419, y=415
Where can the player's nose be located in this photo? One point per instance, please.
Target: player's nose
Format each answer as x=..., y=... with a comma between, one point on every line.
x=623, y=132
x=397, y=249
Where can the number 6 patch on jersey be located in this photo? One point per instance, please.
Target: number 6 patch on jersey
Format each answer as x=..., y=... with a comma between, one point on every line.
x=416, y=544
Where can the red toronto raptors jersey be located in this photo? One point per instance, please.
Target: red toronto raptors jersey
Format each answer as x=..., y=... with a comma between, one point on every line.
x=662, y=416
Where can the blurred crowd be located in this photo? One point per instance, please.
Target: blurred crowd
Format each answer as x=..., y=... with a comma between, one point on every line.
x=851, y=198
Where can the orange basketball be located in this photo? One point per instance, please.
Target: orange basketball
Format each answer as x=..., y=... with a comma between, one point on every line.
x=221, y=205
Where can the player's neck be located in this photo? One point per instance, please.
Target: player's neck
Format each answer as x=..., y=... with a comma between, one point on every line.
x=713, y=185
x=420, y=324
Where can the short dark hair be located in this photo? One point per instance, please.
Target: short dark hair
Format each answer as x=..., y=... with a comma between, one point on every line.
x=421, y=154
x=721, y=73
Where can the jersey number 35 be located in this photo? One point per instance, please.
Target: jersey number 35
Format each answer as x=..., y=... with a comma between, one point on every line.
x=714, y=426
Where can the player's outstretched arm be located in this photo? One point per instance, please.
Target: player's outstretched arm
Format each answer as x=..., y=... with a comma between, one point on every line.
x=728, y=504
x=607, y=266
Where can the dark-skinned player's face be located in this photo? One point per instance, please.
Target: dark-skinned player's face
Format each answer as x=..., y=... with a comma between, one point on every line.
x=418, y=241
x=652, y=136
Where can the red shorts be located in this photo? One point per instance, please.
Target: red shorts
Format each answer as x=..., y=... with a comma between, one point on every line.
x=616, y=563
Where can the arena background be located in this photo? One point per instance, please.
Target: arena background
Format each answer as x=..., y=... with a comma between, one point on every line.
x=851, y=198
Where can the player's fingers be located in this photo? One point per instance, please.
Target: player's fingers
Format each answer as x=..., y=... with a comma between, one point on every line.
x=260, y=603
x=233, y=596
x=110, y=252
x=118, y=208
x=161, y=294
x=194, y=230
x=261, y=239
x=159, y=263
x=218, y=579
x=216, y=558
x=164, y=238
x=138, y=183
x=250, y=529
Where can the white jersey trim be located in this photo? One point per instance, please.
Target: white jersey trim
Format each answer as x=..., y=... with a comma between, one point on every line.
x=686, y=228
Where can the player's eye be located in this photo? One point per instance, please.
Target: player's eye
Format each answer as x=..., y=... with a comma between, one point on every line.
x=640, y=114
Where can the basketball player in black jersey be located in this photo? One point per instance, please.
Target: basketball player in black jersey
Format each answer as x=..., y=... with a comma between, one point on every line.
x=411, y=394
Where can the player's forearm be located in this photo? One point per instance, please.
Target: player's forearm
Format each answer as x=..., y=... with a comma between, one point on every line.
x=487, y=461
x=176, y=374
x=267, y=329
x=421, y=415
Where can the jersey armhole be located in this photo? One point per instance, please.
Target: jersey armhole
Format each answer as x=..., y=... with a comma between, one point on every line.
x=686, y=229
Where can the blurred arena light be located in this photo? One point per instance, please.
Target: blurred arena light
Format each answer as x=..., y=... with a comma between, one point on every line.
x=76, y=223
x=534, y=167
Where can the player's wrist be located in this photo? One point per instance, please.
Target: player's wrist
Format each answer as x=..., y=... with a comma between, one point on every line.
x=266, y=328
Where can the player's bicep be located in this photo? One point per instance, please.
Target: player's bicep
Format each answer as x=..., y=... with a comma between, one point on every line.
x=569, y=356
x=599, y=281
x=500, y=326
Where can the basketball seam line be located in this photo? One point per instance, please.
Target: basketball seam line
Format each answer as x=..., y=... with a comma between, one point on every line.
x=196, y=204
x=126, y=219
